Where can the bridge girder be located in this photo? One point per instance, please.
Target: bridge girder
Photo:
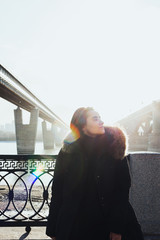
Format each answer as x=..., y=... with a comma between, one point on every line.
x=23, y=98
x=19, y=101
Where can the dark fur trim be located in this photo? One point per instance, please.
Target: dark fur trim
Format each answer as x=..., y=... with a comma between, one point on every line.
x=117, y=142
x=114, y=142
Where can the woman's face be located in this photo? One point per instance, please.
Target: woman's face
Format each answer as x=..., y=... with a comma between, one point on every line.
x=94, y=124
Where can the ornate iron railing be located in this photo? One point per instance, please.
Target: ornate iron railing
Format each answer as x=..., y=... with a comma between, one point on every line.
x=25, y=189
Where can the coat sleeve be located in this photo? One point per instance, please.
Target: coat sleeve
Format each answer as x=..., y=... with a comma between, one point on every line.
x=120, y=198
x=56, y=199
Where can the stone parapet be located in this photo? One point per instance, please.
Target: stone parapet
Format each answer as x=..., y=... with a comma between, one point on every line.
x=145, y=190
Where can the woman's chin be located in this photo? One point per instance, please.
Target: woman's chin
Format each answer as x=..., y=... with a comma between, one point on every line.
x=101, y=132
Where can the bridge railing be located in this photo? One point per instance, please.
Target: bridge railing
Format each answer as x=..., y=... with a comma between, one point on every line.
x=25, y=189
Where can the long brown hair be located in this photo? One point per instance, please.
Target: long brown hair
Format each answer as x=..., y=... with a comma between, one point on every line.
x=78, y=120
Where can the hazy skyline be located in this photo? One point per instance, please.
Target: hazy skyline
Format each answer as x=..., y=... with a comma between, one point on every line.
x=104, y=54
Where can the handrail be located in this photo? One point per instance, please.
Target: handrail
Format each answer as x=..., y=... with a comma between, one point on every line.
x=25, y=189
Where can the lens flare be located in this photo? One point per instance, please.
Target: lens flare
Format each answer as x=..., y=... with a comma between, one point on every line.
x=75, y=131
x=38, y=171
x=73, y=136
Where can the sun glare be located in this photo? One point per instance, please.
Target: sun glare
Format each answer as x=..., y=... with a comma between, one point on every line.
x=39, y=170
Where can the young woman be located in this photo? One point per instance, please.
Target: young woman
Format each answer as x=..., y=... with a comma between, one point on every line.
x=91, y=184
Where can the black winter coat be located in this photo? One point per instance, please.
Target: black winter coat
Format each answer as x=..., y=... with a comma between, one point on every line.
x=113, y=182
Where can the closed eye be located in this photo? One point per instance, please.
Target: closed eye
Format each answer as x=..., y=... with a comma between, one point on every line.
x=95, y=118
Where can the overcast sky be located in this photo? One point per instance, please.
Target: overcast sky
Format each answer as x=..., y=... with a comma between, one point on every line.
x=99, y=53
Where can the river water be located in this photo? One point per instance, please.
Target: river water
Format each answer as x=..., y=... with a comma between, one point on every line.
x=8, y=148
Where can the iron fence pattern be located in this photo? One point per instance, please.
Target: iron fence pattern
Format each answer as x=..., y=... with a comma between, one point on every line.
x=25, y=189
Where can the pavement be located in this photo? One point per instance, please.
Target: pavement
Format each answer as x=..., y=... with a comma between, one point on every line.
x=36, y=233
x=19, y=233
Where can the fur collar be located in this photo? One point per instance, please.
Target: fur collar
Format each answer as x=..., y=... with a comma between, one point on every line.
x=113, y=142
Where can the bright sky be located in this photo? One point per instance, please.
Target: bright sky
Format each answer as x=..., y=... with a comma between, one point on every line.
x=99, y=53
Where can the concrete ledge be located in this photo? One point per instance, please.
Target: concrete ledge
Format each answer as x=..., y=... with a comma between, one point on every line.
x=145, y=190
